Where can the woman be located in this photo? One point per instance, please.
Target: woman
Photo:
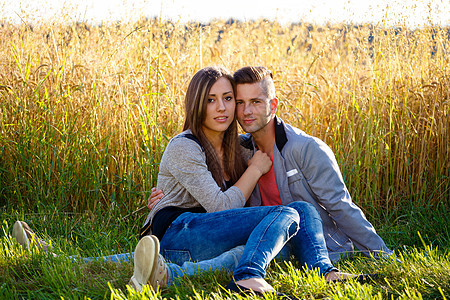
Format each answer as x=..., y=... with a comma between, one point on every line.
x=207, y=185
x=201, y=215
x=207, y=182
x=202, y=175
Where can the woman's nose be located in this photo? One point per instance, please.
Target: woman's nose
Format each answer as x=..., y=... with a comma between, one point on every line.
x=220, y=105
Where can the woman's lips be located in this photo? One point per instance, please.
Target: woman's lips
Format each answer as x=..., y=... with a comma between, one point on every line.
x=221, y=119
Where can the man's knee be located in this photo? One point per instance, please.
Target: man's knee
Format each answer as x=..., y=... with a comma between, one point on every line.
x=292, y=214
x=303, y=208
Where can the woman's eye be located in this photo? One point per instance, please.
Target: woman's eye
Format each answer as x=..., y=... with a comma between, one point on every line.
x=210, y=100
x=229, y=98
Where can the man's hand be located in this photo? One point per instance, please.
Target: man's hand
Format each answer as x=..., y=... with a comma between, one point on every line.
x=154, y=198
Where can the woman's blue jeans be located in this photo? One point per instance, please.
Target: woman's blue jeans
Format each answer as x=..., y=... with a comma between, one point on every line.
x=228, y=260
x=263, y=230
x=307, y=245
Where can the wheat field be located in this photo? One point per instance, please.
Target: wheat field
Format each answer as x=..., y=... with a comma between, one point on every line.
x=86, y=110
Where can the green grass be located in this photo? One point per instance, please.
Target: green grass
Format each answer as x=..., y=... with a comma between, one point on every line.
x=86, y=111
x=421, y=273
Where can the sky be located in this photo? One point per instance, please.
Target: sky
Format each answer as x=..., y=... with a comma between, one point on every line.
x=411, y=13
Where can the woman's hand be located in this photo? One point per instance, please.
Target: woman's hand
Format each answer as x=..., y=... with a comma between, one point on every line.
x=261, y=161
x=258, y=165
x=154, y=198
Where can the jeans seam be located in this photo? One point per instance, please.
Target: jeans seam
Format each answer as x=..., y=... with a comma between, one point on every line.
x=279, y=210
x=265, y=231
x=319, y=262
x=308, y=234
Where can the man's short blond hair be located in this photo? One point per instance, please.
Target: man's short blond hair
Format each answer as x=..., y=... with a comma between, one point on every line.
x=256, y=74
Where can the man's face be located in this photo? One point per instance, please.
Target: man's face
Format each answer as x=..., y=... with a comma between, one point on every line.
x=254, y=109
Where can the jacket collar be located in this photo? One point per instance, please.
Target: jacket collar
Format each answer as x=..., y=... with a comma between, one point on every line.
x=280, y=134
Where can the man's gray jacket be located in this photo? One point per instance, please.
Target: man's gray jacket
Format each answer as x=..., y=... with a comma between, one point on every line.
x=306, y=170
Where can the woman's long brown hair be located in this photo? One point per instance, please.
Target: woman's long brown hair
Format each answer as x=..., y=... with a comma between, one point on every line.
x=195, y=112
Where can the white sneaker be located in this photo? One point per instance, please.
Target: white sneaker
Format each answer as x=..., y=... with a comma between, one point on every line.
x=149, y=266
x=26, y=237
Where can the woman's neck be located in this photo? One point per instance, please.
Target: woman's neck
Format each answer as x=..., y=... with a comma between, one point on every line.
x=216, y=141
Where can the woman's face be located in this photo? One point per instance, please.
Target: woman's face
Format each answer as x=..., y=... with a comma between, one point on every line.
x=219, y=108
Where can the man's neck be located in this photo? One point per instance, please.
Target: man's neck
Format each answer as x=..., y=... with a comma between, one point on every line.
x=265, y=138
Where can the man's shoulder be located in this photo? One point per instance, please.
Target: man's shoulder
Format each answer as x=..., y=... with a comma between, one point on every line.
x=300, y=143
x=307, y=151
x=297, y=136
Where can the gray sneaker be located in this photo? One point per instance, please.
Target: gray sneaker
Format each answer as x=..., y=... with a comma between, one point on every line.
x=149, y=266
x=26, y=237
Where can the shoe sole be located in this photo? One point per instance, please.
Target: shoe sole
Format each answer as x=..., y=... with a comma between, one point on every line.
x=141, y=276
x=155, y=261
x=20, y=235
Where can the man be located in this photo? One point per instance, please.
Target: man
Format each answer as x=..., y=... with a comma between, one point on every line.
x=304, y=168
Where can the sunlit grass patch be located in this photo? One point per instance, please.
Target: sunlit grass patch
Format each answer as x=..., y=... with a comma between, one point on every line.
x=418, y=272
x=87, y=110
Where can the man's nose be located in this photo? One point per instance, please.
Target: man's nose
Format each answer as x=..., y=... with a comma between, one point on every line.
x=247, y=110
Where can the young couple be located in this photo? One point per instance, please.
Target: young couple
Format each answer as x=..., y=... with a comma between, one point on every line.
x=201, y=215
x=207, y=177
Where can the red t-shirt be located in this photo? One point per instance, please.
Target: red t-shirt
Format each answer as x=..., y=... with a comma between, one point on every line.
x=268, y=188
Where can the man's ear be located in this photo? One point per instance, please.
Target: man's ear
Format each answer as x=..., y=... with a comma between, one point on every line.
x=274, y=105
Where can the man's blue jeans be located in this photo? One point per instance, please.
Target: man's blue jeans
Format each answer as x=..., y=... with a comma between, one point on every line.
x=308, y=246
x=263, y=230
